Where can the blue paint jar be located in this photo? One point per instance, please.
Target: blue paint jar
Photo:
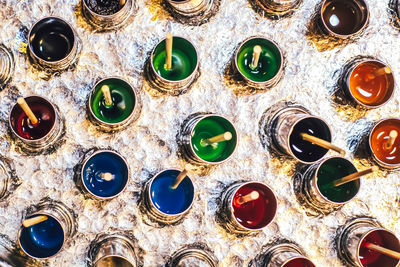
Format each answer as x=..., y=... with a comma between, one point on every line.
x=167, y=205
x=105, y=174
x=42, y=240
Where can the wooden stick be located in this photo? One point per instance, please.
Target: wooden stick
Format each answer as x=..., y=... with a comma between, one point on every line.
x=322, y=143
x=354, y=176
x=107, y=176
x=392, y=138
x=386, y=251
x=121, y=3
x=379, y=72
x=216, y=139
x=256, y=56
x=247, y=198
x=107, y=95
x=168, y=48
x=35, y=220
x=22, y=103
x=179, y=179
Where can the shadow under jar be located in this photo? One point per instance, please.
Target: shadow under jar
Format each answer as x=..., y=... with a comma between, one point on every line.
x=343, y=18
x=107, y=14
x=47, y=238
x=124, y=109
x=284, y=255
x=193, y=255
x=385, y=153
x=104, y=174
x=7, y=66
x=38, y=138
x=165, y=204
x=285, y=127
x=269, y=68
x=369, y=82
x=202, y=127
x=184, y=70
x=279, y=8
x=318, y=188
x=352, y=244
x=113, y=250
x=248, y=207
x=190, y=8
x=53, y=44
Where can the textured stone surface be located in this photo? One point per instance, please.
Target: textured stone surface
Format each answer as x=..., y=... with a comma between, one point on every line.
x=150, y=145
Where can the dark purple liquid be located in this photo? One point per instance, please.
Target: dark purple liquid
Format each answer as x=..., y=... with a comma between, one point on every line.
x=305, y=150
x=43, y=111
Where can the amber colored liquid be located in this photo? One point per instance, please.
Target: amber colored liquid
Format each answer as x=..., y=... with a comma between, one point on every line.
x=380, y=138
x=366, y=87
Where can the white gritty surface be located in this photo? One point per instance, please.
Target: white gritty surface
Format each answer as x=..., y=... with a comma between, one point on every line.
x=308, y=80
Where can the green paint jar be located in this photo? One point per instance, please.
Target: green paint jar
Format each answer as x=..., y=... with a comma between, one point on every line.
x=202, y=127
x=269, y=69
x=184, y=69
x=319, y=190
x=124, y=110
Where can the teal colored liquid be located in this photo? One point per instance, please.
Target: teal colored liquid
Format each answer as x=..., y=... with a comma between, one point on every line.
x=210, y=127
x=123, y=101
x=180, y=69
x=184, y=60
x=334, y=169
x=268, y=64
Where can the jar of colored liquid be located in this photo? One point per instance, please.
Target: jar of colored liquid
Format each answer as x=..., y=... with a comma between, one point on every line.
x=284, y=127
x=7, y=66
x=193, y=255
x=368, y=84
x=44, y=136
x=184, y=69
x=344, y=18
x=104, y=174
x=200, y=128
x=353, y=238
x=282, y=255
x=190, y=8
x=107, y=15
x=319, y=191
x=277, y=9
x=386, y=155
x=47, y=238
x=53, y=44
x=251, y=215
x=113, y=250
x=269, y=68
x=165, y=204
x=125, y=107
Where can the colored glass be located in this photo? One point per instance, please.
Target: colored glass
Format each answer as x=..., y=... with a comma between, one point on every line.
x=184, y=60
x=123, y=98
x=305, y=150
x=168, y=200
x=52, y=39
x=102, y=163
x=268, y=64
x=368, y=88
x=209, y=127
x=257, y=213
x=44, y=239
x=343, y=17
x=379, y=139
x=43, y=111
x=334, y=169
x=299, y=262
